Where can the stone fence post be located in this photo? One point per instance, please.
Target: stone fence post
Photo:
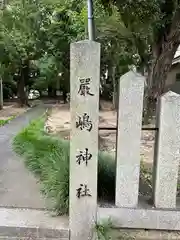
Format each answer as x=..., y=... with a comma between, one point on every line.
x=167, y=151
x=85, y=80
x=131, y=90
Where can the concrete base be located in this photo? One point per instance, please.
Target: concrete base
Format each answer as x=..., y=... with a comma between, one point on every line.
x=32, y=224
x=143, y=217
x=28, y=224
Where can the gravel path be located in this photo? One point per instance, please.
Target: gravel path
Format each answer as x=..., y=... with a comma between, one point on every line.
x=18, y=188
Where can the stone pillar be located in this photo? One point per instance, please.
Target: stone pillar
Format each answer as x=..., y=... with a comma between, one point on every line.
x=129, y=123
x=167, y=151
x=85, y=80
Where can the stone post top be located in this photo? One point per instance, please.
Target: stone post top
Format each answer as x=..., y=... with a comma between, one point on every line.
x=86, y=41
x=132, y=75
x=170, y=94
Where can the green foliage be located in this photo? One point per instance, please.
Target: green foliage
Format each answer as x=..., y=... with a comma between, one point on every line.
x=148, y=22
x=146, y=178
x=118, y=49
x=5, y=121
x=23, y=31
x=106, y=176
x=35, y=39
x=48, y=73
x=38, y=34
x=48, y=158
x=103, y=230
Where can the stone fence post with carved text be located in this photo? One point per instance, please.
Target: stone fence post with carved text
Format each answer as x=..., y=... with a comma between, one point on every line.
x=84, y=106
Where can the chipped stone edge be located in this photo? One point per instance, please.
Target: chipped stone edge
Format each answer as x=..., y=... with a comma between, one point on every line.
x=12, y=226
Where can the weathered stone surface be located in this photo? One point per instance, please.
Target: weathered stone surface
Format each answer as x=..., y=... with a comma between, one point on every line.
x=32, y=224
x=128, y=140
x=141, y=218
x=85, y=69
x=167, y=151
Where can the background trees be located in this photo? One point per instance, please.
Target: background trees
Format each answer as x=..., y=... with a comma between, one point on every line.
x=34, y=44
x=35, y=37
x=155, y=33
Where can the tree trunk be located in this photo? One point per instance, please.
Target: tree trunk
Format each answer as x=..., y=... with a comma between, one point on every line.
x=64, y=95
x=1, y=94
x=156, y=81
x=160, y=70
x=22, y=92
x=50, y=91
x=23, y=99
x=115, y=95
x=163, y=54
x=54, y=93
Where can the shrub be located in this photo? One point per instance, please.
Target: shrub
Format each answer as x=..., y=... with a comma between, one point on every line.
x=5, y=121
x=48, y=158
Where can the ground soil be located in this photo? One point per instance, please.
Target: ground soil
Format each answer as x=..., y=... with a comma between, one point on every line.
x=11, y=109
x=59, y=123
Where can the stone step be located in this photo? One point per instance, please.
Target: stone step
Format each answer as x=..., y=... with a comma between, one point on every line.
x=31, y=224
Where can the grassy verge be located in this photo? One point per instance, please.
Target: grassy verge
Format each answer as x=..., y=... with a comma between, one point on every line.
x=5, y=121
x=48, y=158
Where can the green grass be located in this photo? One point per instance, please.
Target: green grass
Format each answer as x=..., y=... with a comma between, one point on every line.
x=48, y=158
x=103, y=229
x=3, y=122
